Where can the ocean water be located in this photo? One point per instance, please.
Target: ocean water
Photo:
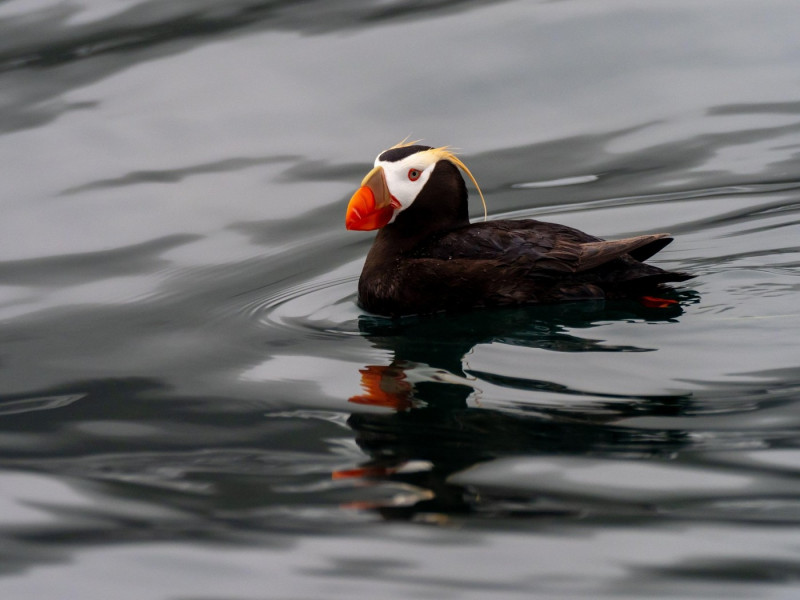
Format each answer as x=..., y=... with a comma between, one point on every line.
x=193, y=406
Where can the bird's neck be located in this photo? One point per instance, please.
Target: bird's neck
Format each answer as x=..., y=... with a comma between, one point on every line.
x=440, y=207
x=404, y=236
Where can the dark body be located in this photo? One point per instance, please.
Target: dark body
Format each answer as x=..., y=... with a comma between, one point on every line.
x=432, y=259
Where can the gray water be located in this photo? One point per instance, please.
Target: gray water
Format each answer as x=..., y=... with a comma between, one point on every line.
x=192, y=405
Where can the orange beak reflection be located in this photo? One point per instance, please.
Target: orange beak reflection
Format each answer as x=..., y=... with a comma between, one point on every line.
x=385, y=386
x=371, y=205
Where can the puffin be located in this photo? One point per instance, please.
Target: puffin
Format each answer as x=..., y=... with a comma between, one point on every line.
x=427, y=257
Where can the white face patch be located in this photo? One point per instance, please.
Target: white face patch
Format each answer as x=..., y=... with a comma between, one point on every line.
x=405, y=178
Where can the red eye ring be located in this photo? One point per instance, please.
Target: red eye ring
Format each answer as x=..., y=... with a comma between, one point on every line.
x=413, y=174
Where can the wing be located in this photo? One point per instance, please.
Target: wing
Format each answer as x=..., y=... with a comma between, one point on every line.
x=538, y=245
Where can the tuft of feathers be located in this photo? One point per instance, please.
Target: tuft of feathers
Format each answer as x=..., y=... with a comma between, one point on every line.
x=447, y=153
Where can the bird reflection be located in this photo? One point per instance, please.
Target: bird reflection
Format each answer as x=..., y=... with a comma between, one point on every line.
x=437, y=424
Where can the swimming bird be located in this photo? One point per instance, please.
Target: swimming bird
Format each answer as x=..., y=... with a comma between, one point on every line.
x=427, y=257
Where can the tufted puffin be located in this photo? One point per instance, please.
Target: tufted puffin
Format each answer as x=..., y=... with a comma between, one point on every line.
x=428, y=257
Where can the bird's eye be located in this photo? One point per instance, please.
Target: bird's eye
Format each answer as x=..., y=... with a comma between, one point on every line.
x=413, y=174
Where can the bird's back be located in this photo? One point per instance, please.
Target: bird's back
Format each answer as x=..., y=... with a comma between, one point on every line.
x=501, y=263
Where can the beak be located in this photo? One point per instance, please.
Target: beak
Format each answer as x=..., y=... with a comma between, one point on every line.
x=371, y=205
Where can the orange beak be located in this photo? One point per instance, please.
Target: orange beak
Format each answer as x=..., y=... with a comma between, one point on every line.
x=371, y=205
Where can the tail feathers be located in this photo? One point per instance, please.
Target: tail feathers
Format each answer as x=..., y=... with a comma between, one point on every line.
x=642, y=247
x=642, y=253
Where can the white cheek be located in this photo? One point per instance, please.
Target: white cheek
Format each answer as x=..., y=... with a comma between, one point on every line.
x=401, y=187
x=415, y=187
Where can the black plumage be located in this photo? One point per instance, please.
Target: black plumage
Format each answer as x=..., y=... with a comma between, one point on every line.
x=430, y=258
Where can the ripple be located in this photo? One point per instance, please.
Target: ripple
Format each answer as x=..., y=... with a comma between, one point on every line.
x=325, y=308
x=673, y=196
x=625, y=481
x=34, y=404
x=577, y=180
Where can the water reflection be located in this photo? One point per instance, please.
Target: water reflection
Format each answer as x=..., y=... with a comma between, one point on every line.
x=438, y=425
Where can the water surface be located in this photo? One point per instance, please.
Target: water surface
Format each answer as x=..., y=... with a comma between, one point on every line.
x=192, y=405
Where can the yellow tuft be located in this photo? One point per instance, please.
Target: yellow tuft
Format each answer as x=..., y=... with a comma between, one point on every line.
x=405, y=143
x=445, y=153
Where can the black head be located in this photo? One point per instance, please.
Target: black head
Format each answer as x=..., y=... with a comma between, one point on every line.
x=413, y=192
x=427, y=189
x=401, y=152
